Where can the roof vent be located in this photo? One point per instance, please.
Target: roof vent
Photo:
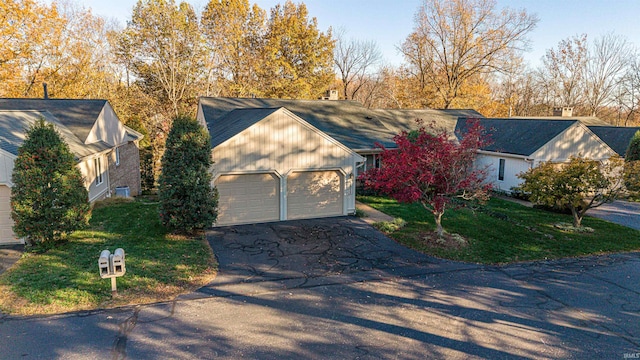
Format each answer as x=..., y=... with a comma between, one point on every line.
x=46, y=93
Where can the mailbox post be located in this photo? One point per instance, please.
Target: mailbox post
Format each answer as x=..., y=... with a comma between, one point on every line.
x=112, y=266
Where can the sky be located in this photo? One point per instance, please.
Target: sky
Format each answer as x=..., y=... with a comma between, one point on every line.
x=388, y=22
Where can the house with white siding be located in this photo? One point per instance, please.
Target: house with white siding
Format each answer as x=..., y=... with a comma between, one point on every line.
x=517, y=145
x=105, y=149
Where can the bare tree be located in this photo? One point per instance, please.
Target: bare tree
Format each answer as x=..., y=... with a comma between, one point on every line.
x=607, y=62
x=627, y=96
x=454, y=41
x=354, y=61
x=564, y=69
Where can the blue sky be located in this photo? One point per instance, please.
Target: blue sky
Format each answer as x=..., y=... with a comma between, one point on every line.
x=388, y=22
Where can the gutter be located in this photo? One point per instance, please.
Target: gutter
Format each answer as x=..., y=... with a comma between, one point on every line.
x=516, y=156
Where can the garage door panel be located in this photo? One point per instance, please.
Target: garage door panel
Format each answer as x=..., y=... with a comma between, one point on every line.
x=248, y=198
x=314, y=194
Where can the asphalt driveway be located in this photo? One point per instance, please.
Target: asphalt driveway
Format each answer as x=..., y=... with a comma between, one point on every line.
x=309, y=253
x=337, y=289
x=620, y=212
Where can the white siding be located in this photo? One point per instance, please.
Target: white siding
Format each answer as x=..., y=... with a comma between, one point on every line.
x=88, y=171
x=577, y=140
x=6, y=167
x=513, y=167
x=6, y=223
x=107, y=128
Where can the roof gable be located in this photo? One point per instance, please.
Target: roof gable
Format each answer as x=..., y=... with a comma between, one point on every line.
x=275, y=139
x=618, y=138
x=518, y=137
x=78, y=115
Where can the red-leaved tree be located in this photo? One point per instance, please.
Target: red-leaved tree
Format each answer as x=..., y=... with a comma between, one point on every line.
x=431, y=168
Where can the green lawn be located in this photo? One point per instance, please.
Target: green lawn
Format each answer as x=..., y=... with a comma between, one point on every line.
x=502, y=232
x=159, y=265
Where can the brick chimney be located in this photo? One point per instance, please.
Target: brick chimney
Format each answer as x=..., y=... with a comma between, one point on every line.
x=564, y=111
x=330, y=95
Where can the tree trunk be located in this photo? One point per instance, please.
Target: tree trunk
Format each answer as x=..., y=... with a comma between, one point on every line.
x=438, y=217
x=577, y=217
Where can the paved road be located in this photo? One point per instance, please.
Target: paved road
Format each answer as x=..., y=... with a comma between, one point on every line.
x=337, y=289
x=619, y=212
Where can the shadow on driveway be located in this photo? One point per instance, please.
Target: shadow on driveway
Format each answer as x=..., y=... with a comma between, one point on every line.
x=305, y=253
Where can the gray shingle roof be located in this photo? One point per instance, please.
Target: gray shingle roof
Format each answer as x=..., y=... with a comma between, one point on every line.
x=618, y=138
x=234, y=122
x=78, y=115
x=586, y=120
x=348, y=122
x=398, y=120
x=518, y=136
x=14, y=123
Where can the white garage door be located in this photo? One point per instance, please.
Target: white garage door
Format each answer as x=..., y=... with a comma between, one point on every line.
x=6, y=233
x=248, y=198
x=312, y=194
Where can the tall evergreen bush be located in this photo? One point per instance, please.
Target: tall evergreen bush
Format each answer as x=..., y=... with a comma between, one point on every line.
x=633, y=150
x=188, y=201
x=48, y=199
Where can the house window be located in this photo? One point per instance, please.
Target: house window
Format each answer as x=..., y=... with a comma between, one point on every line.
x=117, y=156
x=97, y=164
x=501, y=170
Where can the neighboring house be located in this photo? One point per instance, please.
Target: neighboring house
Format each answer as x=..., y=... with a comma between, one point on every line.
x=106, y=150
x=516, y=145
x=618, y=138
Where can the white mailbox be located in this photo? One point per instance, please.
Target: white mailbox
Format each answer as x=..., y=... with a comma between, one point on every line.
x=112, y=266
x=118, y=262
x=104, y=263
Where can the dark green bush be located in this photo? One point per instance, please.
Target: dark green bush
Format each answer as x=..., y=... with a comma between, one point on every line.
x=633, y=150
x=188, y=201
x=48, y=199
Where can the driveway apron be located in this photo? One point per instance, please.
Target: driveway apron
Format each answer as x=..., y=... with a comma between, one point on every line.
x=307, y=253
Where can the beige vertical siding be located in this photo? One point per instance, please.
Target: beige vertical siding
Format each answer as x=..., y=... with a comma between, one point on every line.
x=576, y=140
x=281, y=143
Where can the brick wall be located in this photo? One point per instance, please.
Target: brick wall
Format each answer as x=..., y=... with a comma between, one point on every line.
x=127, y=173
